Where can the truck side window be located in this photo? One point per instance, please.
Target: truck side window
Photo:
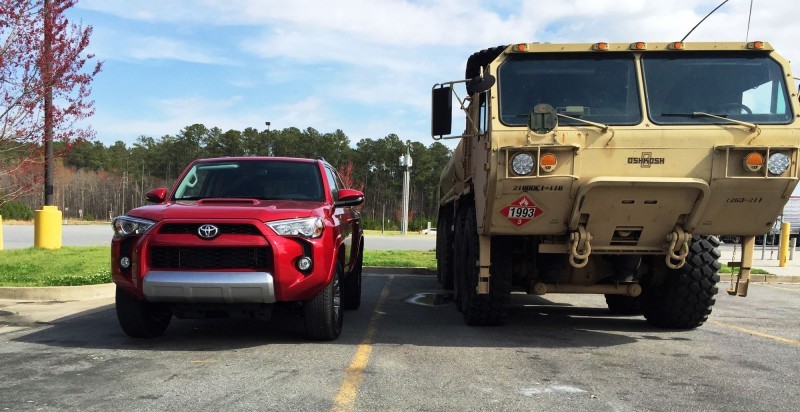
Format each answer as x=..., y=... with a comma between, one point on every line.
x=484, y=113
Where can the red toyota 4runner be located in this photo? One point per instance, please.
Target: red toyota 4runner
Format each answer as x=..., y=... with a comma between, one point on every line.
x=236, y=236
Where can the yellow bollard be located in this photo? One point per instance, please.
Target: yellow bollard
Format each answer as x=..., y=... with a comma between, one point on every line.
x=47, y=228
x=783, y=252
x=1, y=232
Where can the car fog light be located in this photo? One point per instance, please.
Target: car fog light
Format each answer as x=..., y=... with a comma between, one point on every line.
x=125, y=262
x=304, y=263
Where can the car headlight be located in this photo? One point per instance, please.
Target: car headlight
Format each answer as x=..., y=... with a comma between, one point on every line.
x=522, y=163
x=126, y=225
x=308, y=227
x=778, y=163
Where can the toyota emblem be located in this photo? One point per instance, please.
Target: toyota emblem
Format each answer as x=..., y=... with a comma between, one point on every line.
x=207, y=231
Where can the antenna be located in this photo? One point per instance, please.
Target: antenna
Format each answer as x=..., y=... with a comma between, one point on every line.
x=749, y=15
x=704, y=19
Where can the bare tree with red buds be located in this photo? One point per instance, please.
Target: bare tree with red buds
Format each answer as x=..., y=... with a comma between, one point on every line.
x=29, y=66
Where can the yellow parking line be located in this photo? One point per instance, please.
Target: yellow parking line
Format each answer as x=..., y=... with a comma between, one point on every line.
x=756, y=333
x=346, y=396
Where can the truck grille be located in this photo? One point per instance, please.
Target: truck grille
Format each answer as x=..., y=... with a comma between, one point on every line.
x=225, y=228
x=162, y=257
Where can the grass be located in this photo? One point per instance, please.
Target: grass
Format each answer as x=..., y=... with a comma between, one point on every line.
x=400, y=258
x=72, y=266
x=68, y=266
x=727, y=270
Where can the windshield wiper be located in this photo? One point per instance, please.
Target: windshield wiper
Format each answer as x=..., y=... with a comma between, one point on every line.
x=605, y=127
x=602, y=126
x=752, y=126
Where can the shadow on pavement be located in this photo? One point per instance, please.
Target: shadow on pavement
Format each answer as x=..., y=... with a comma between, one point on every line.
x=534, y=322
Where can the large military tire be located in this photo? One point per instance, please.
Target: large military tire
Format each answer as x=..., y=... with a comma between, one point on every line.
x=460, y=256
x=623, y=305
x=351, y=285
x=140, y=318
x=685, y=298
x=324, y=313
x=490, y=309
x=444, y=247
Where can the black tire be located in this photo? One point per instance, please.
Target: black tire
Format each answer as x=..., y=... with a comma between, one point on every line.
x=444, y=247
x=685, y=298
x=323, y=314
x=490, y=309
x=460, y=257
x=351, y=285
x=623, y=305
x=140, y=318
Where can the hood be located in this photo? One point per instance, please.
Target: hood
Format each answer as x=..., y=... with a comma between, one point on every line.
x=208, y=209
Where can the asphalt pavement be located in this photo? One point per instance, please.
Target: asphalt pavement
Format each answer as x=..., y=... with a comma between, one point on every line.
x=407, y=348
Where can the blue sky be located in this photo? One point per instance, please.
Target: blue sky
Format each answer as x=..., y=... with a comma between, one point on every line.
x=365, y=67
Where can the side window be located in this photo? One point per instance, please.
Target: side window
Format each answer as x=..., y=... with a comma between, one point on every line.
x=484, y=113
x=333, y=182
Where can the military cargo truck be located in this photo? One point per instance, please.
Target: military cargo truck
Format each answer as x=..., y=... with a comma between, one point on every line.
x=608, y=168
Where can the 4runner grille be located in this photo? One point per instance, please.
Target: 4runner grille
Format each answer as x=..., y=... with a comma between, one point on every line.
x=162, y=257
x=191, y=228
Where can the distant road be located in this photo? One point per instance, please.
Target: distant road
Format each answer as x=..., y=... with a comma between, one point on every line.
x=21, y=236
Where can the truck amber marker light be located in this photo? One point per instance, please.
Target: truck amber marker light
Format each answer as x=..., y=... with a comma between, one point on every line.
x=754, y=161
x=548, y=162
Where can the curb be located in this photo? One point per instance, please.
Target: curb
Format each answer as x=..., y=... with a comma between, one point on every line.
x=768, y=278
x=58, y=293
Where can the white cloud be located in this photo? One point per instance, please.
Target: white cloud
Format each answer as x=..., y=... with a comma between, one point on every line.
x=334, y=59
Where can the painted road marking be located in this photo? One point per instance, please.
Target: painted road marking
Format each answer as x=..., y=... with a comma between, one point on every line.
x=756, y=333
x=346, y=397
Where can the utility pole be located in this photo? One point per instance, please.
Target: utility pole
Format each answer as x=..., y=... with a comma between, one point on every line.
x=47, y=220
x=405, y=162
x=48, y=104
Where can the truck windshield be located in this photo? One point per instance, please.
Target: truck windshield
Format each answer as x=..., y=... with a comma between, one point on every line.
x=597, y=88
x=741, y=86
x=252, y=179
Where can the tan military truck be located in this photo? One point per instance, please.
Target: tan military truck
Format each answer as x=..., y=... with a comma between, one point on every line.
x=608, y=168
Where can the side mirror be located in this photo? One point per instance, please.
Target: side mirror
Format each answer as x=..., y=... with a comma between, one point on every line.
x=480, y=84
x=156, y=195
x=349, y=197
x=441, y=111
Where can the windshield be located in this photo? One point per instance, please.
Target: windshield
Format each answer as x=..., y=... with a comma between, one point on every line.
x=741, y=86
x=252, y=179
x=597, y=88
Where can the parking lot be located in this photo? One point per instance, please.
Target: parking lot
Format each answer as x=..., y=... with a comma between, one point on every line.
x=407, y=348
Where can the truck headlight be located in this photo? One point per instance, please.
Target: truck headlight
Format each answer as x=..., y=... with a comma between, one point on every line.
x=308, y=227
x=778, y=163
x=126, y=225
x=522, y=163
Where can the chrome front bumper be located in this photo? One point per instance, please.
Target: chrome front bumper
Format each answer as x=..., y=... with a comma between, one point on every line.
x=198, y=287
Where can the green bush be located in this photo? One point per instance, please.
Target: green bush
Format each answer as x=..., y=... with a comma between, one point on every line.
x=15, y=210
